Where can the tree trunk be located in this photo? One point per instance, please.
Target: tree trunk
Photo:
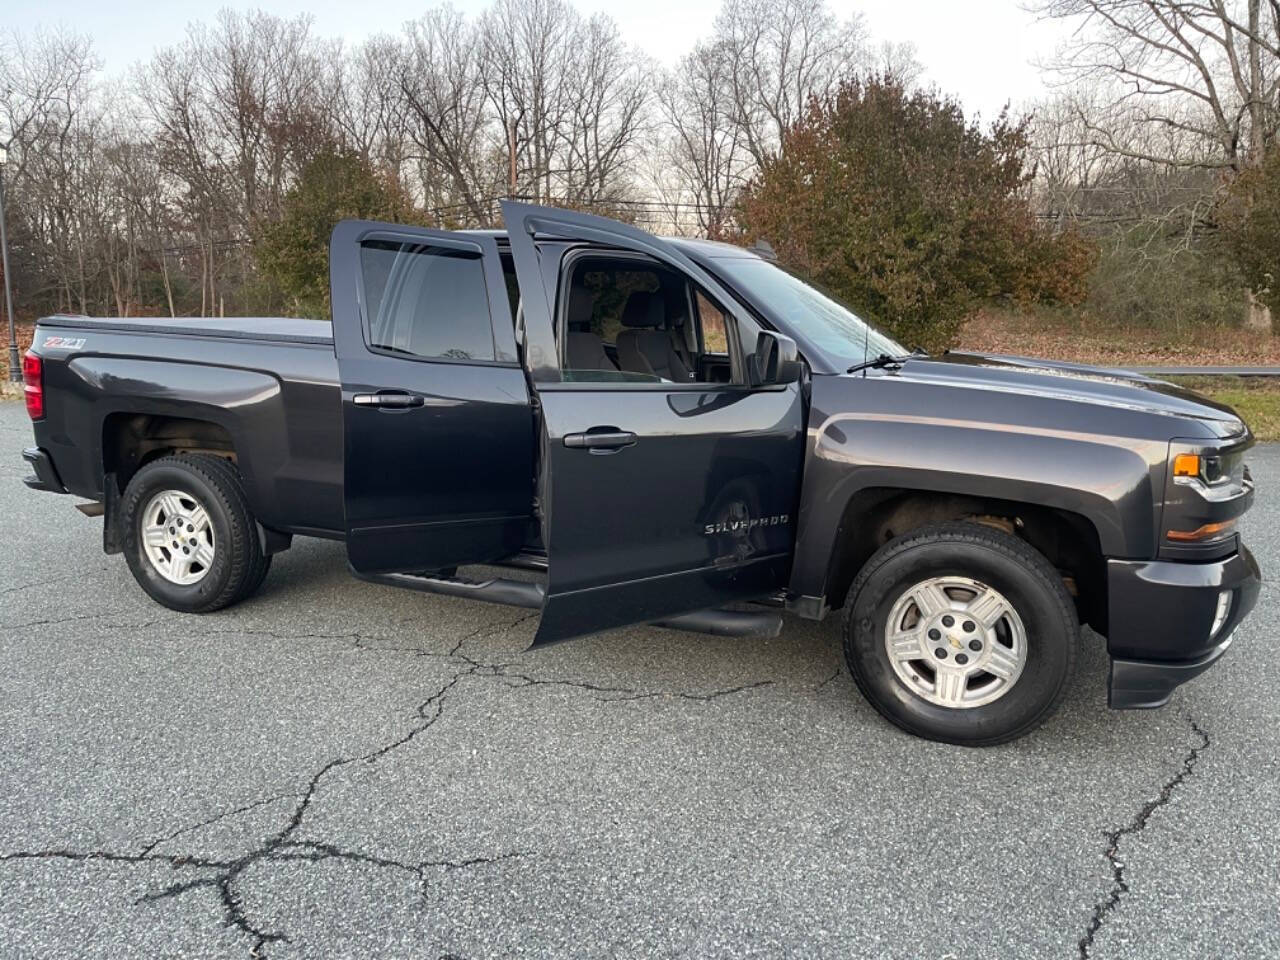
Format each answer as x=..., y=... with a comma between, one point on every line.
x=1257, y=101
x=164, y=273
x=1257, y=315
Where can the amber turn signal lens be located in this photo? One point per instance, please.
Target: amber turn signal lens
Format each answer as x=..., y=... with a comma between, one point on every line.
x=1201, y=533
x=1186, y=465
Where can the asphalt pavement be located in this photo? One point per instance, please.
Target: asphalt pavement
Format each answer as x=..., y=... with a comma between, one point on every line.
x=338, y=769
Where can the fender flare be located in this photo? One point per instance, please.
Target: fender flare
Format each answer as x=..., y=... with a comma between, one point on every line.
x=1108, y=483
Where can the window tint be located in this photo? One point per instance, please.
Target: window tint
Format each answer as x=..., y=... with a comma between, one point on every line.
x=426, y=301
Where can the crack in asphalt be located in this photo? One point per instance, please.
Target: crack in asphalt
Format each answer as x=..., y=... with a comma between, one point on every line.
x=283, y=845
x=628, y=695
x=108, y=856
x=831, y=679
x=225, y=815
x=280, y=846
x=78, y=575
x=1119, y=881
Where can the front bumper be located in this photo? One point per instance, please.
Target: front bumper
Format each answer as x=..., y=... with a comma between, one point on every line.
x=1161, y=617
x=46, y=476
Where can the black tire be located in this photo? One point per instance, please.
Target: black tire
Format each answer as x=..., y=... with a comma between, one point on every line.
x=980, y=552
x=262, y=564
x=238, y=565
x=254, y=584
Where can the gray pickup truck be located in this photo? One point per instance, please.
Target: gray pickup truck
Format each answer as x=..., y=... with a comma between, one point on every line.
x=674, y=432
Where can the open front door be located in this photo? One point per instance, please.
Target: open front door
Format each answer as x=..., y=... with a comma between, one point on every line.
x=664, y=489
x=438, y=429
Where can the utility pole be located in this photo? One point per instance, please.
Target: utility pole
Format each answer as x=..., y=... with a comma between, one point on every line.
x=15, y=364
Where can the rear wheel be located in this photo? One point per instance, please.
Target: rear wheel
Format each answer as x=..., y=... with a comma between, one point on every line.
x=190, y=539
x=961, y=633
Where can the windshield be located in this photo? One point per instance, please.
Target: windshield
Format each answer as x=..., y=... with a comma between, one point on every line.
x=830, y=326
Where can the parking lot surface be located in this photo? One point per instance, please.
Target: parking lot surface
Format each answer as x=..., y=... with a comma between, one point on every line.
x=338, y=769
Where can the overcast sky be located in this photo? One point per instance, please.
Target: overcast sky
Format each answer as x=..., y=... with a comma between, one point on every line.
x=983, y=51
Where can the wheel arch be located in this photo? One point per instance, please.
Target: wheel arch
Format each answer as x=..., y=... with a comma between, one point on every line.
x=131, y=440
x=873, y=516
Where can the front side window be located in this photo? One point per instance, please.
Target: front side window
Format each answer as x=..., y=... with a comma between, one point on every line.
x=628, y=320
x=426, y=301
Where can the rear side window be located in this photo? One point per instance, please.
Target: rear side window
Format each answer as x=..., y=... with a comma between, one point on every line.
x=426, y=301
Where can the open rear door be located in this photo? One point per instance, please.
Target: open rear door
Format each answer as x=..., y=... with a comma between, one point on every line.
x=659, y=498
x=437, y=423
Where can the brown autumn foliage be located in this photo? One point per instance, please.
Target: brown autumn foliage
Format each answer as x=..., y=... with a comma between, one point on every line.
x=890, y=199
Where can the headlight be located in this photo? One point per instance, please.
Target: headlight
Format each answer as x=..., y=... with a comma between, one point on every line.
x=1210, y=469
x=1207, y=488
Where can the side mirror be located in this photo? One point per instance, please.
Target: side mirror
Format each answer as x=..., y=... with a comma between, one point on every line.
x=775, y=361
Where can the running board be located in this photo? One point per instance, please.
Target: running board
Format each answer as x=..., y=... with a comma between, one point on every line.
x=511, y=593
x=726, y=623
x=519, y=593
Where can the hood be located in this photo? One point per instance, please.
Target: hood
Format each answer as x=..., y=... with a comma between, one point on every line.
x=1077, y=383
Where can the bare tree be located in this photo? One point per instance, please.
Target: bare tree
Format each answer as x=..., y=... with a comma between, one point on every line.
x=728, y=103
x=570, y=91
x=608, y=94
x=706, y=148
x=779, y=54
x=1206, y=70
x=49, y=103
x=527, y=51
x=365, y=100
x=440, y=81
x=44, y=79
x=238, y=109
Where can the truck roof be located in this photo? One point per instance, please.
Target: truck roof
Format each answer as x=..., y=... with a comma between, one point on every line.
x=708, y=248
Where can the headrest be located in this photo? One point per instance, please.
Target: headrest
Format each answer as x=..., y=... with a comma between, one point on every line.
x=643, y=309
x=581, y=303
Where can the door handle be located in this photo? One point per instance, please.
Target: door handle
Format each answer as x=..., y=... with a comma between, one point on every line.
x=394, y=400
x=610, y=440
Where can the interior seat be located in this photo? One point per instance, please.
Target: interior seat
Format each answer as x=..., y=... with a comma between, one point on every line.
x=583, y=349
x=646, y=346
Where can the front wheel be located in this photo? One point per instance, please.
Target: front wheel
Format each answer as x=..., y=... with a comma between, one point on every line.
x=961, y=633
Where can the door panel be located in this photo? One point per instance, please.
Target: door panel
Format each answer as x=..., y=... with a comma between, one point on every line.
x=697, y=510
x=690, y=501
x=437, y=423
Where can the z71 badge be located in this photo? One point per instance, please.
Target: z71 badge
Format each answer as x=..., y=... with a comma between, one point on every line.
x=65, y=343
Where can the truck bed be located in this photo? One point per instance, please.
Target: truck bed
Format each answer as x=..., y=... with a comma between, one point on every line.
x=269, y=384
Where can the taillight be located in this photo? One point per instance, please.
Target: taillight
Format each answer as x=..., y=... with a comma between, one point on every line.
x=33, y=385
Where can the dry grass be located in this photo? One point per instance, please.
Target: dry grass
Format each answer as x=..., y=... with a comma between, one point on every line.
x=1061, y=336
